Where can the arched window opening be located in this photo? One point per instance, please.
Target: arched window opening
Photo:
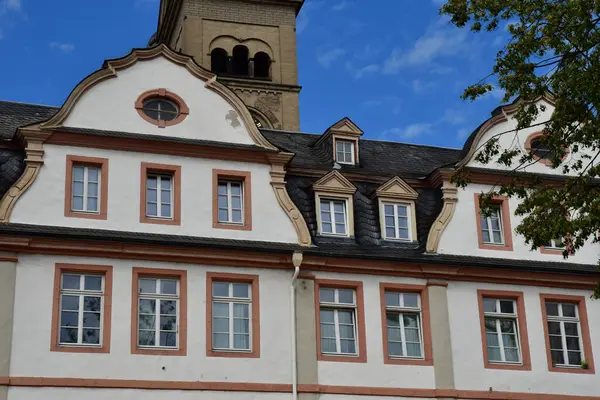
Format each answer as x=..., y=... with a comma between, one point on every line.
x=262, y=65
x=240, y=60
x=540, y=149
x=218, y=61
x=260, y=121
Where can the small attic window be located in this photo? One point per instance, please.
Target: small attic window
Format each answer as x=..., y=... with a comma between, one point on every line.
x=344, y=151
x=161, y=107
x=540, y=150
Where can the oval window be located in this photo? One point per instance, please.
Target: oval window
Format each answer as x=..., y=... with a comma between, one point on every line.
x=540, y=150
x=160, y=109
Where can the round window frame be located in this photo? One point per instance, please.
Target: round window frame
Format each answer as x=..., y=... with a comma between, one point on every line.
x=164, y=93
x=544, y=161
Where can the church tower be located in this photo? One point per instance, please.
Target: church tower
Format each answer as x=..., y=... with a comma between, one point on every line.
x=249, y=44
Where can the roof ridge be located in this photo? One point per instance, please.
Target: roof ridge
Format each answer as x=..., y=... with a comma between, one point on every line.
x=29, y=104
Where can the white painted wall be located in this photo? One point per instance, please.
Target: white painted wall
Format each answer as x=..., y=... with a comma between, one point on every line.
x=26, y=393
x=508, y=138
x=109, y=105
x=31, y=355
x=460, y=236
x=374, y=372
x=469, y=373
x=43, y=202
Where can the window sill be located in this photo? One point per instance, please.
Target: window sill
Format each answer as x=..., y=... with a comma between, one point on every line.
x=491, y=246
x=163, y=351
x=232, y=226
x=233, y=353
x=85, y=214
x=508, y=366
x=158, y=220
x=407, y=361
x=571, y=369
x=336, y=235
x=336, y=357
x=75, y=348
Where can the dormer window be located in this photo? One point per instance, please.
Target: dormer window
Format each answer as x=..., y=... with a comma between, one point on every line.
x=334, y=200
x=344, y=151
x=397, y=210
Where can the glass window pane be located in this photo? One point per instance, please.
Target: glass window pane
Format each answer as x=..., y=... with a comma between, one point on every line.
x=393, y=319
x=573, y=343
x=552, y=309
x=165, y=210
x=392, y=299
x=388, y=210
x=222, y=201
x=151, y=195
x=348, y=346
x=241, y=310
x=412, y=335
x=68, y=335
x=325, y=205
x=168, y=339
x=554, y=328
x=91, y=320
x=168, y=307
x=326, y=316
x=557, y=357
x=571, y=329
x=78, y=188
x=327, y=227
x=410, y=321
x=413, y=350
x=507, y=326
x=402, y=211
x=395, y=349
x=92, y=282
x=236, y=189
x=574, y=358
x=484, y=223
x=345, y=317
x=241, y=290
x=411, y=300
x=568, y=310
x=491, y=339
x=326, y=216
x=494, y=354
x=220, y=340
x=220, y=309
x=346, y=331
x=511, y=355
x=93, y=189
x=338, y=207
x=507, y=306
x=486, y=236
x=402, y=222
x=146, y=321
x=326, y=295
x=168, y=286
x=497, y=237
x=223, y=216
x=165, y=196
x=241, y=326
x=509, y=340
x=151, y=182
x=146, y=338
x=346, y=296
x=92, y=204
x=91, y=336
x=71, y=281
x=222, y=188
x=69, y=318
x=339, y=218
x=78, y=173
x=241, y=342
x=328, y=345
x=340, y=228
x=556, y=342
x=168, y=323
x=236, y=216
x=390, y=233
x=147, y=306
x=165, y=182
x=220, y=289
x=394, y=334
x=327, y=331
x=151, y=210
x=403, y=233
x=92, y=303
x=147, y=286
x=489, y=305
x=490, y=325
x=93, y=173
x=77, y=203
x=220, y=325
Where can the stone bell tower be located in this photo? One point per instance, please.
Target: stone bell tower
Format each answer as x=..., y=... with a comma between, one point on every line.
x=249, y=44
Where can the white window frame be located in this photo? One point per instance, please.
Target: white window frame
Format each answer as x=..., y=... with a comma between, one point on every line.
x=230, y=208
x=331, y=201
x=396, y=226
x=86, y=183
x=159, y=176
x=231, y=301
x=344, y=151
x=497, y=208
x=82, y=293
x=498, y=315
x=158, y=297
x=561, y=320
x=553, y=244
x=336, y=306
x=401, y=310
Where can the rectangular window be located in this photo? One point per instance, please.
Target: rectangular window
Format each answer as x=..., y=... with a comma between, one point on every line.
x=397, y=221
x=491, y=227
x=86, y=182
x=564, y=332
x=86, y=189
x=333, y=217
x=158, y=311
x=82, y=308
x=81, y=305
x=231, y=316
x=556, y=244
x=501, y=330
x=338, y=321
x=231, y=202
x=403, y=324
x=159, y=196
x=344, y=150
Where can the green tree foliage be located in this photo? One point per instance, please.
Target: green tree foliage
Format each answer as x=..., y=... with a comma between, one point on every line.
x=553, y=48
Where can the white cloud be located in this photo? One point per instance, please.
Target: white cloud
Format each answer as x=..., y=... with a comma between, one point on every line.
x=13, y=5
x=392, y=103
x=64, y=47
x=453, y=117
x=420, y=86
x=439, y=41
x=359, y=72
x=341, y=5
x=409, y=132
x=303, y=18
x=327, y=58
x=462, y=133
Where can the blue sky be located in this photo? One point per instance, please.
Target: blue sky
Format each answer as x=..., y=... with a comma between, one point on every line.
x=395, y=67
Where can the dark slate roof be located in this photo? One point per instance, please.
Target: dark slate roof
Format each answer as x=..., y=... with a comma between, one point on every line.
x=376, y=157
x=161, y=138
x=337, y=249
x=14, y=115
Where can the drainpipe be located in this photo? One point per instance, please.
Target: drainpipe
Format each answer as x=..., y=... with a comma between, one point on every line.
x=297, y=261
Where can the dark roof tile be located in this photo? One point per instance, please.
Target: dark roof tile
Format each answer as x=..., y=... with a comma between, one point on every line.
x=14, y=115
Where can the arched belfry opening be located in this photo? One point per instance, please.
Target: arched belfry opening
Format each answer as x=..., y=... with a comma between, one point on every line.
x=262, y=65
x=240, y=60
x=218, y=61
